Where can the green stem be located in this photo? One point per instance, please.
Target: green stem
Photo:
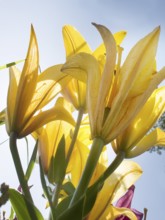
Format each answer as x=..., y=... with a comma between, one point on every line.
x=56, y=193
x=18, y=166
x=90, y=166
x=112, y=167
x=79, y=119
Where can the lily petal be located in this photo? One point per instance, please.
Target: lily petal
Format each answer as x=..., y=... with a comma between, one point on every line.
x=78, y=161
x=115, y=186
x=156, y=137
x=58, y=112
x=90, y=67
x=74, y=41
x=108, y=73
x=49, y=138
x=137, y=60
x=14, y=74
x=153, y=108
x=28, y=81
x=49, y=84
x=111, y=213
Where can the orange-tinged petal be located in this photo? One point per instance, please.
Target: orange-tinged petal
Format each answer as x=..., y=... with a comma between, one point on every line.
x=156, y=137
x=12, y=93
x=115, y=186
x=74, y=41
x=58, y=112
x=27, y=83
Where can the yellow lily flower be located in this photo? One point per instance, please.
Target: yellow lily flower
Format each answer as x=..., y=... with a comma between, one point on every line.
x=113, y=96
x=74, y=42
x=134, y=140
x=28, y=92
x=50, y=135
x=114, y=187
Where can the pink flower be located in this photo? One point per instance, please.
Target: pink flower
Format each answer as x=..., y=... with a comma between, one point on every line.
x=125, y=201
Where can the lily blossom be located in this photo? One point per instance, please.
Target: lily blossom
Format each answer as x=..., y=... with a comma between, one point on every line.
x=114, y=187
x=125, y=201
x=135, y=139
x=113, y=95
x=50, y=135
x=74, y=43
x=29, y=92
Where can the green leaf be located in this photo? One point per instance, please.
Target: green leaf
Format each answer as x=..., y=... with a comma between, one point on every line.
x=32, y=162
x=75, y=212
x=89, y=199
x=57, y=168
x=45, y=188
x=11, y=217
x=22, y=207
x=63, y=205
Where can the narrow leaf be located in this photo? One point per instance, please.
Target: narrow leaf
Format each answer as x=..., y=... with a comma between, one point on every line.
x=22, y=207
x=32, y=162
x=44, y=186
x=58, y=164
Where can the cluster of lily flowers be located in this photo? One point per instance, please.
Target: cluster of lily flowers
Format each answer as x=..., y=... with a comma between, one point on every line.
x=116, y=104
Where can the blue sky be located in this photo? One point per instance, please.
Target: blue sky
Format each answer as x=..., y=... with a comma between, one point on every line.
x=138, y=17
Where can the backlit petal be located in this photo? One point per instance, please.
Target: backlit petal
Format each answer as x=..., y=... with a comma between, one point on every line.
x=12, y=93
x=49, y=84
x=89, y=65
x=74, y=41
x=27, y=83
x=156, y=137
x=115, y=186
x=58, y=112
x=108, y=72
x=140, y=56
x=111, y=213
x=153, y=109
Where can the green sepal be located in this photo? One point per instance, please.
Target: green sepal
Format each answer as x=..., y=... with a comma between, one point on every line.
x=57, y=167
x=32, y=162
x=69, y=188
x=22, y=207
